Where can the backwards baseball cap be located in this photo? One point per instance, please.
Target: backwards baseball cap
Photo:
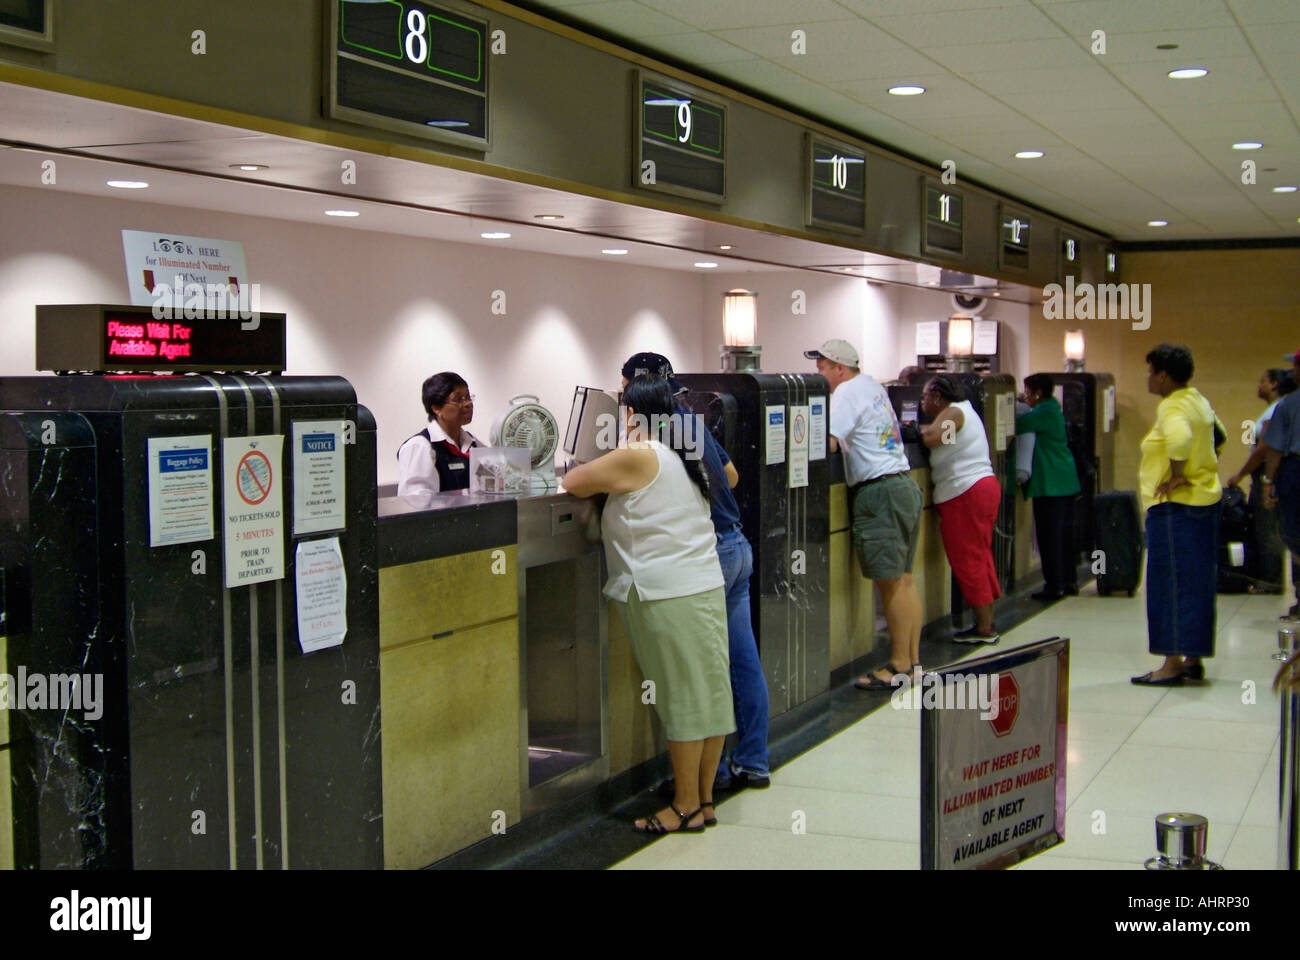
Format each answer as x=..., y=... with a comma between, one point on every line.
x=656, y=365
x=836, y=351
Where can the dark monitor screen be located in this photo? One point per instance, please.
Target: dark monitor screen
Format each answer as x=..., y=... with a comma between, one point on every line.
x=575, y=420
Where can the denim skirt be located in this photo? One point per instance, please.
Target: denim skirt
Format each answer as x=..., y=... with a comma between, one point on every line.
x=1182, y=579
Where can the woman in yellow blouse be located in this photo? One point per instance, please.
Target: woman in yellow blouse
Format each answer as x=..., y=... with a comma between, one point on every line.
x=1179, y=484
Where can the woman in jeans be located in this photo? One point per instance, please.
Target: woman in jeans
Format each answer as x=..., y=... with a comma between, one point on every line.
x=667, y=583
x=1179, y=484
x=967, y=496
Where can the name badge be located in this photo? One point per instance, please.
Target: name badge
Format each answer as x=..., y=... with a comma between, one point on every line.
x=455, y=466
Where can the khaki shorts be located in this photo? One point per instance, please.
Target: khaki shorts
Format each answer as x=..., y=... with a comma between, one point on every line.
x=886, y=525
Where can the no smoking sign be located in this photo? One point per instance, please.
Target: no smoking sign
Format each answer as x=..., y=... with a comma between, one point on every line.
x=253, y=509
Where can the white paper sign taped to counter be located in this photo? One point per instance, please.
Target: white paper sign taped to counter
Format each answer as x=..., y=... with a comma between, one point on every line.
x=817, y=438
x=775, y=434
x=318, y=476
x=180, y=489
x=252, y=505
x=321, y=586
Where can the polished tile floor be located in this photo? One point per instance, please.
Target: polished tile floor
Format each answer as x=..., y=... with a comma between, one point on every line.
x=1133, y=753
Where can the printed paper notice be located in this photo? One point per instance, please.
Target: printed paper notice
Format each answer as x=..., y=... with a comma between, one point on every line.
x=317, y=476
x=155, y=260
x=817, y=418
x=180, y=490
x=1109, y=419
x=986, y=338
x=799, y=430
x=1006, y=425
x=321, y=585
x=927, y=338
x=775, y=435
x=253, y=508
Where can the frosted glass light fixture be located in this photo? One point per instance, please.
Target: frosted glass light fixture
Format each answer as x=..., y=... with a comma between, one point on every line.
x=740, y=354
x=961, y=342
x=1074, y=351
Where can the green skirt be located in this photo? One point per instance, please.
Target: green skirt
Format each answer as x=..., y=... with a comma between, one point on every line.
x=681, y=646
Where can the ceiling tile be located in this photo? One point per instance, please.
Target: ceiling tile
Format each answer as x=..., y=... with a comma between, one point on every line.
x=977, y=57
x=725, y=14
x=850, y=39
x=1229, y=123
x=1231, y=80
x=1137, y=16
x=971, y=26
x=1192, y=45
x=701, y=48
x=885, y=8
x=1265, y=11
x=888, y=67
x=1047, y=80
x=626, y=18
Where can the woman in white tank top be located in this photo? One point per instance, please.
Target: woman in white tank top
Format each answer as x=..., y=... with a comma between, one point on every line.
x=967, y=496
x=667, y=585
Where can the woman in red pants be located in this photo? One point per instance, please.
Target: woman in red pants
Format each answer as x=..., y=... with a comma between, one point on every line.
x=967, y=496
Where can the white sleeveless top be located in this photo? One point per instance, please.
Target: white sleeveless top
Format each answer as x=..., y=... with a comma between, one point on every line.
x=956, y=467
x=660, y=538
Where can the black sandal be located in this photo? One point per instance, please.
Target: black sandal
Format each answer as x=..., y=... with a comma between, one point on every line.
x=654, y=825
x=872, y=682
x=709, y=821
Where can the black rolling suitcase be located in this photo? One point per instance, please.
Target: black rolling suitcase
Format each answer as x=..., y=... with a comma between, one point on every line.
x=1121, y=540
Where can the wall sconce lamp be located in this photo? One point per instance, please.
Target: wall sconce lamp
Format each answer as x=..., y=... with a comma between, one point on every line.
x=1074, y=351
x=740, y=354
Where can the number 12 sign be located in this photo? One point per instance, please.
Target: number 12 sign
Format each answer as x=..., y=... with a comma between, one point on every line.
x=411, y=67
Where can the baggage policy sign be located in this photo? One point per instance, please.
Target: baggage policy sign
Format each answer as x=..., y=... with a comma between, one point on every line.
x=253, y=509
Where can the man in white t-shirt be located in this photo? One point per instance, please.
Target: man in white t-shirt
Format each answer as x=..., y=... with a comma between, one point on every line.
x=885, y=501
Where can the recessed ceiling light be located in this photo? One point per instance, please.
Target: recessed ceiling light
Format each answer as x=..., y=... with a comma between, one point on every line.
x=847, y=269
x=1157, y=223
x=342, y=213
x=127, y=184
x=1029, y=154
x=997, y=293
x=548, y=216
x=1188, y=73
x=495, y=236
x=1287, y=189
x=1166, y=46
x=907, y=90
x=724, y=246
x=705, y=264
x=613, y=252
x=1247, y=145
x=250, y=167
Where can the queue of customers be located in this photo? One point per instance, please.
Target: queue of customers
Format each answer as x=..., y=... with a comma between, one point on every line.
x=679, y=564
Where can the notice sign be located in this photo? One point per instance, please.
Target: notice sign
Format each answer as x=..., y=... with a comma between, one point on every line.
x=927, y=338
x=155, y=260
x=180, y=490
x=775, y=434
x=799, y=430
x=253, y=507
x=993, y=735
x=317, y=476
x=817, y=419
x=321, y=586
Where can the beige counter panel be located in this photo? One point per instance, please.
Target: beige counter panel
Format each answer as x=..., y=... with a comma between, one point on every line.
x=418, y=600
x=1026, y=557
x=635, y=734
x=852, y=604
x=6, y=815
x=450, y=741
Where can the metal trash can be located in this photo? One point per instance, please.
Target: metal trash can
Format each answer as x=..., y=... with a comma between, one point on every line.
x=1181, y=840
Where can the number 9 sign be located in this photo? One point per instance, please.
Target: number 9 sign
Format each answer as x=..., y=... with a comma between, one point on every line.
x=684, y=121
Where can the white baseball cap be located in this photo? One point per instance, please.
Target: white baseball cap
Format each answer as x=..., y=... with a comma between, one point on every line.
x=836, y=351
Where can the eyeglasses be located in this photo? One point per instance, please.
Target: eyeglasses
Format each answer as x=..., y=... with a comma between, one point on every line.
x=461, y=401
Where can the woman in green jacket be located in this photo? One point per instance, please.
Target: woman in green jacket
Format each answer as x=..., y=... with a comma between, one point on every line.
x=1052, y=486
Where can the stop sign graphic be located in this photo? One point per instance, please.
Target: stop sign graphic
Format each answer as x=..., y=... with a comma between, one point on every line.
x=1008, y=696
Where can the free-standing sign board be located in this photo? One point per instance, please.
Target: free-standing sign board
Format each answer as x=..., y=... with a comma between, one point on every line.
x=993, y=781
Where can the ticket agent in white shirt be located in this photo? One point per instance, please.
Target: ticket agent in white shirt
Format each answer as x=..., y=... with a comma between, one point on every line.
x=436, y=460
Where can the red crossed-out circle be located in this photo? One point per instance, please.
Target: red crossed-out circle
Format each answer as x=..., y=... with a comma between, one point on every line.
x=253, y=477
x=798, y=428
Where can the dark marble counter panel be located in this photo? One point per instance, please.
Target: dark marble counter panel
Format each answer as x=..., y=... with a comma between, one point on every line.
x=443, y=525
